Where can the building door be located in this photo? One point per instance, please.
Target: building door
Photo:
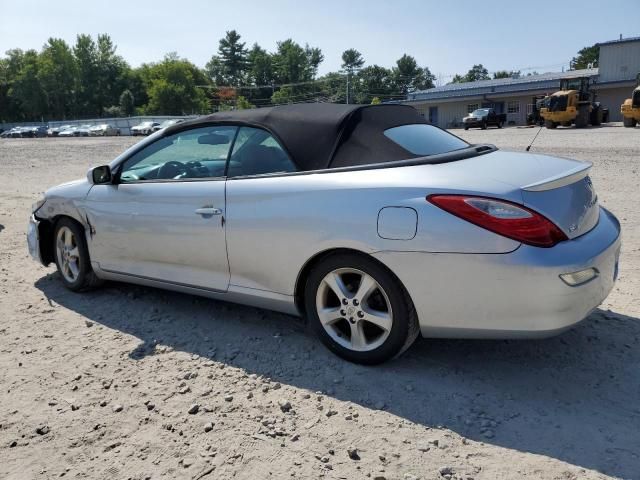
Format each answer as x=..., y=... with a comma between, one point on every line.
x=433, y=115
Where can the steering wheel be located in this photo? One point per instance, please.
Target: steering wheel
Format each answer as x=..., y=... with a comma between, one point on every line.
x=174, y=169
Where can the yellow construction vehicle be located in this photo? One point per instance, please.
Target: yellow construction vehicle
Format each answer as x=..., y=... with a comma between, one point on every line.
x=630, y=109
x=573, y=104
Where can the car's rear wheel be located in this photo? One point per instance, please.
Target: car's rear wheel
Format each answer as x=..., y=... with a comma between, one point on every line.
x=359, y=310
x=72, y=256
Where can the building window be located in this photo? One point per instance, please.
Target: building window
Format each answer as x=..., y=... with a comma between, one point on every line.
x=513, y=107
x=472, y=107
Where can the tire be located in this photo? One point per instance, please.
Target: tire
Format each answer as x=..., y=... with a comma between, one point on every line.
x=629, y=122
x=499, y=124
x=386, y=297
x=596, y=117
x=582, y=119
x=70, y=248
x=550, y=124
x=484, y=126
x=466, y=128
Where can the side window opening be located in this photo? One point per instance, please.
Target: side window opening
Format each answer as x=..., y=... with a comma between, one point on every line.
x=423, y=140
x=257, y=152
x=197, y=153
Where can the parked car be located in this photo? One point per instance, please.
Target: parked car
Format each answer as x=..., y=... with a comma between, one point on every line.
x=34, y=132
x=484, y=117
x=55, y=131
x=82, y=131
x=366, y=220
x=16, y=132
x=69, y=132
x=11, y=133
x=166, y=123
x=144, y=128
x=104, y=130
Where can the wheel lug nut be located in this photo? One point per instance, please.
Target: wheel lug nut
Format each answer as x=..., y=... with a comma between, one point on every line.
x=352, y=320
x=345, y=301
x=355, y=301
x=343, y=313
x=360, y=314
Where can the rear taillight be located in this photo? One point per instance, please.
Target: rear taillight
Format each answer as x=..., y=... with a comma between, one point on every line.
x=504, y=218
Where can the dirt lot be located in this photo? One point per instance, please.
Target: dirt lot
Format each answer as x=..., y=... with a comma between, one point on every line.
x=101, y=385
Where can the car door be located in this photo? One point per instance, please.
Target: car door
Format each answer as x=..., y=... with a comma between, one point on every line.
x=163, y=218
x=260, y=211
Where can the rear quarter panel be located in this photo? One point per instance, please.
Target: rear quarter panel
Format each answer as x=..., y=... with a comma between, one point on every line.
x=275, y=224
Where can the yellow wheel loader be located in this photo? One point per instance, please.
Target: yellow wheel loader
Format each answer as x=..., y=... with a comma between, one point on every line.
x=573, y=104
x=630, y=109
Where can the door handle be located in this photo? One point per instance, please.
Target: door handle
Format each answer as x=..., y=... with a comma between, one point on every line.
x=208, y=210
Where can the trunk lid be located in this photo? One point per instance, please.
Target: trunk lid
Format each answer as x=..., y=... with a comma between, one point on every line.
x=558, y=188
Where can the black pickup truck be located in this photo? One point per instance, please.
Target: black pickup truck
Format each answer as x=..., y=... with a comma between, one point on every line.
x=483, y=117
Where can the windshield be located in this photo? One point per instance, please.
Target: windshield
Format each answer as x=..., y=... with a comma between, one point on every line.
x=480, y=112
x=422, y=139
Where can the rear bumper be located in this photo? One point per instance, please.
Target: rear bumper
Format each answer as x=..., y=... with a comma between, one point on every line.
x=512, y=295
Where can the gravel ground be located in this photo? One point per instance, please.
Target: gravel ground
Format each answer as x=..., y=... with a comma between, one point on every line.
x=131, y=382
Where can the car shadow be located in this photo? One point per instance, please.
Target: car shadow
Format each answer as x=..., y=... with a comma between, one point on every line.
x=573, y=397
x=1, y=227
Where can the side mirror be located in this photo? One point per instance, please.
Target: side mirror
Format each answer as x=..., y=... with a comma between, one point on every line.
x=100, y=175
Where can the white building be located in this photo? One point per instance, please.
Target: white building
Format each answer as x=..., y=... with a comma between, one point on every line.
x=445, y=106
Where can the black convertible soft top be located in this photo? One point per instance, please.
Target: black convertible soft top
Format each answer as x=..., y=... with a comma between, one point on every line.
x=325, y=135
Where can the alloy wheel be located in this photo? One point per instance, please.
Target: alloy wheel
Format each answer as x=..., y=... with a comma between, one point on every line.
x=68, y=254
x=354, y=309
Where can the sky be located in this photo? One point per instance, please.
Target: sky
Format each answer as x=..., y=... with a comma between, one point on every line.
x=446, y=36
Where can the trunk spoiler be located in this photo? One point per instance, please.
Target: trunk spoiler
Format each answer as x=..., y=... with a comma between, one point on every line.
x=560, y=180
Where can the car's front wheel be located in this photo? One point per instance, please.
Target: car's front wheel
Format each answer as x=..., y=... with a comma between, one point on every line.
x=359, y=310
x=72, y=256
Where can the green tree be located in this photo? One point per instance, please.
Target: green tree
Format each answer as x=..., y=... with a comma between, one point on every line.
x=352, y=60
x=86, y=54
x=172, y=87
x=506, y=74
x=375, y=101
x=57, y=73
x=243, y=104
x=283, y=96
x=127, y=103
x=314, y=59
x=477, y=72
x=457, y=78
x=112, y=74
x=293, y=64
x=587, y=56
x=373, y=81
x=260, y=73
x=230, y=66
x=27, y=89
x=333, y=87
x=409, y=77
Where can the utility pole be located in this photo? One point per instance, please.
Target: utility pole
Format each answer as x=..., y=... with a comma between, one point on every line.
x=348, y=74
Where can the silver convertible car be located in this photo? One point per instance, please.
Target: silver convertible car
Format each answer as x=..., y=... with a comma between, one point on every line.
x=372, y=224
